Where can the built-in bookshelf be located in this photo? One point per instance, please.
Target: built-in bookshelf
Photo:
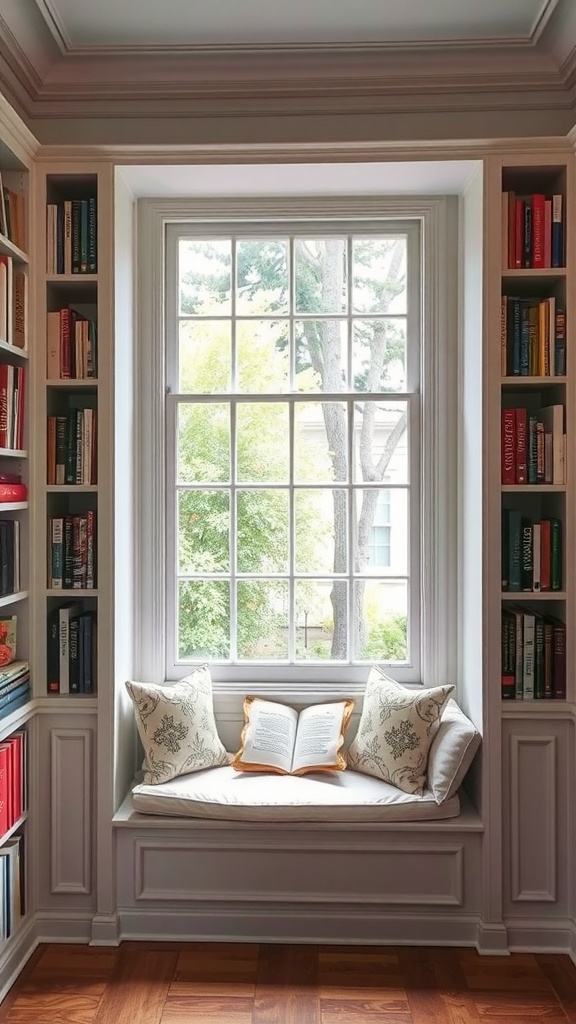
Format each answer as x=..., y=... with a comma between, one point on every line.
x=536, y=366
x=16, y=685
x=71, y=418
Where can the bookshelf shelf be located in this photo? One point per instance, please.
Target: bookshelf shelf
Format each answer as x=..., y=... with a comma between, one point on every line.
x=521, y=596
x=71, y=488
x=21, y=595
x=13, y=506
x=13, y=453
x=53, y=592
x=73, y=383
x=9, y=249
x=13, y=350
x=527, y=382
x=533, y=488
x=546, y=274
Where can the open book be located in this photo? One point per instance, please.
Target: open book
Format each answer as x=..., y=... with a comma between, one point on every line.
x=276, y=738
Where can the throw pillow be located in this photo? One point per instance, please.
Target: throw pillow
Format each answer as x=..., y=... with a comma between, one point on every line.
x=177, y=727
x=395, y=732
x=451, y=753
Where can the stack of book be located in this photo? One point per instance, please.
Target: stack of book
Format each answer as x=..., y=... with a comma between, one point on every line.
x=533, y=655
x=531, y=553
x=71, y=237
x=14, y=687
x=534, y=446
x=532, y=231
x=71, y=655
x=72, y=448
x=532, y=337
x=71, y=346
x=71, y=551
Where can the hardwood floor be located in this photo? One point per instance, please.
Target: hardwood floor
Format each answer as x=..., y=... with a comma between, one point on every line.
x=197, y=983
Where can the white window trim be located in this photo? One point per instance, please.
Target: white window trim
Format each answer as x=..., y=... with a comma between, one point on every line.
x=439, y=376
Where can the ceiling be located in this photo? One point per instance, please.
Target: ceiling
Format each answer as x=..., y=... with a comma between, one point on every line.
x=113, y=60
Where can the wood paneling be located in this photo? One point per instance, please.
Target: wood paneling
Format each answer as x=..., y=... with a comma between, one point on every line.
x=228, y=983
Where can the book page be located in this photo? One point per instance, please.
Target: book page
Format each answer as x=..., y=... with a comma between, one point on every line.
x=319, y=735
x=269, y=737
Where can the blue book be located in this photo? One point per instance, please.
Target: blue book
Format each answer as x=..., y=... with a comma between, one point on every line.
x=514, y=549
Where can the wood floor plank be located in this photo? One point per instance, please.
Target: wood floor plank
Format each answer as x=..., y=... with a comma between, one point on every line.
x=193, y=1010
x=362, y=1011
x=424, y=998
x=560, y=974
x=286, y=986
x=138, y=988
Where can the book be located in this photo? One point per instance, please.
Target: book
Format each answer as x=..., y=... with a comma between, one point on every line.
x=8, y=634
x=66, y=613
x=277, y=738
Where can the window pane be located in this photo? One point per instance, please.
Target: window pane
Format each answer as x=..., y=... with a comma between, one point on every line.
x=381, y=441
x=262, y=277
x=381, y=626
x=262, y=531
x=262, y=620
x=321, y=362
x=203, y=619
x=262, y=442
x=382, y=544
x=204, y=356
x=315, y=638
x=205, y=277
x=379, y=284
x=379, y=355
x=320, y=442
x=263, y=355
x=321, y=278
x=320, y=531
x=203, y=531
x=203, y=443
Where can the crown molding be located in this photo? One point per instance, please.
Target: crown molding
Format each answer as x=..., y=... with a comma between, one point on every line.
x=67, y=48
x=363, y=152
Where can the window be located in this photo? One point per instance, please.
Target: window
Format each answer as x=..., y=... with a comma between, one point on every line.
x=298, y=475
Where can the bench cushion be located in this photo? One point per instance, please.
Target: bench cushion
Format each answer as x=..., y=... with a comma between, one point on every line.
x=222, y=793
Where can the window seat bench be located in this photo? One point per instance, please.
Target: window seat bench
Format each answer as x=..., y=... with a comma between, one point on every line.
x=187, y=878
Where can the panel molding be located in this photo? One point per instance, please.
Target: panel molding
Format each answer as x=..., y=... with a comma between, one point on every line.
x=70, y=759
x=545, y=823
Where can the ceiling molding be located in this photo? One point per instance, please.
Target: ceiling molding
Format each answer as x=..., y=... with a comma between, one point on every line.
x=99, y=82
x=306, y=152
x=68, y=49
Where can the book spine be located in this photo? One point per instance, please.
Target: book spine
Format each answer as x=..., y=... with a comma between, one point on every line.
x=521, y=468
x=555, y=554
x=557, y=231
x=53, y=653
x=560, y=661
x=508, y=642
x=514, y=550
x=508, y=454
x=57, y=553
x=92, y=236
x=527, y=563
x=538, y=657
x=560, y=343
x=538, y=201
x=528, y=668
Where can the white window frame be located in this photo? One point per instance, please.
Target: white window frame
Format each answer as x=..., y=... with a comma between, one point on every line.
x=437, y=219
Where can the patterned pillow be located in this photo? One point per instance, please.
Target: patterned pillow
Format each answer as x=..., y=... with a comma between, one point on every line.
x=177, y=727
x=396, y=729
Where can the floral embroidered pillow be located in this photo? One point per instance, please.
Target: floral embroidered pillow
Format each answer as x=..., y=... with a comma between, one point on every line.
x=177, y=727
x=396, y=730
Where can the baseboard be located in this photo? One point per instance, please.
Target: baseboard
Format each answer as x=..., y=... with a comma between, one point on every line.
x=63, y=926
x=541, y=935
x=105, y=930
x=255, y=923
x=492, y=939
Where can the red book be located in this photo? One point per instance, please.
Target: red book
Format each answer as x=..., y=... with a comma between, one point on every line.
x=4, y=772
x=548, y=233
x=21, y=406
x=508, y=446
x=3, y=405
x=65, y=343
x=15, y=742
x=13, y=492
x=538, y=230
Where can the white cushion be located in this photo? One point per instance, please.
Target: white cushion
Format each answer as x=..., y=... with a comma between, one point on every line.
x=395, y=732
x=452, y=752
x=222, y=793
x=177, y=726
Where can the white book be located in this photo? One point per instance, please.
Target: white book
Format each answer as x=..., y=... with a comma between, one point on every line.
x=528, y=656
x=552, y=416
